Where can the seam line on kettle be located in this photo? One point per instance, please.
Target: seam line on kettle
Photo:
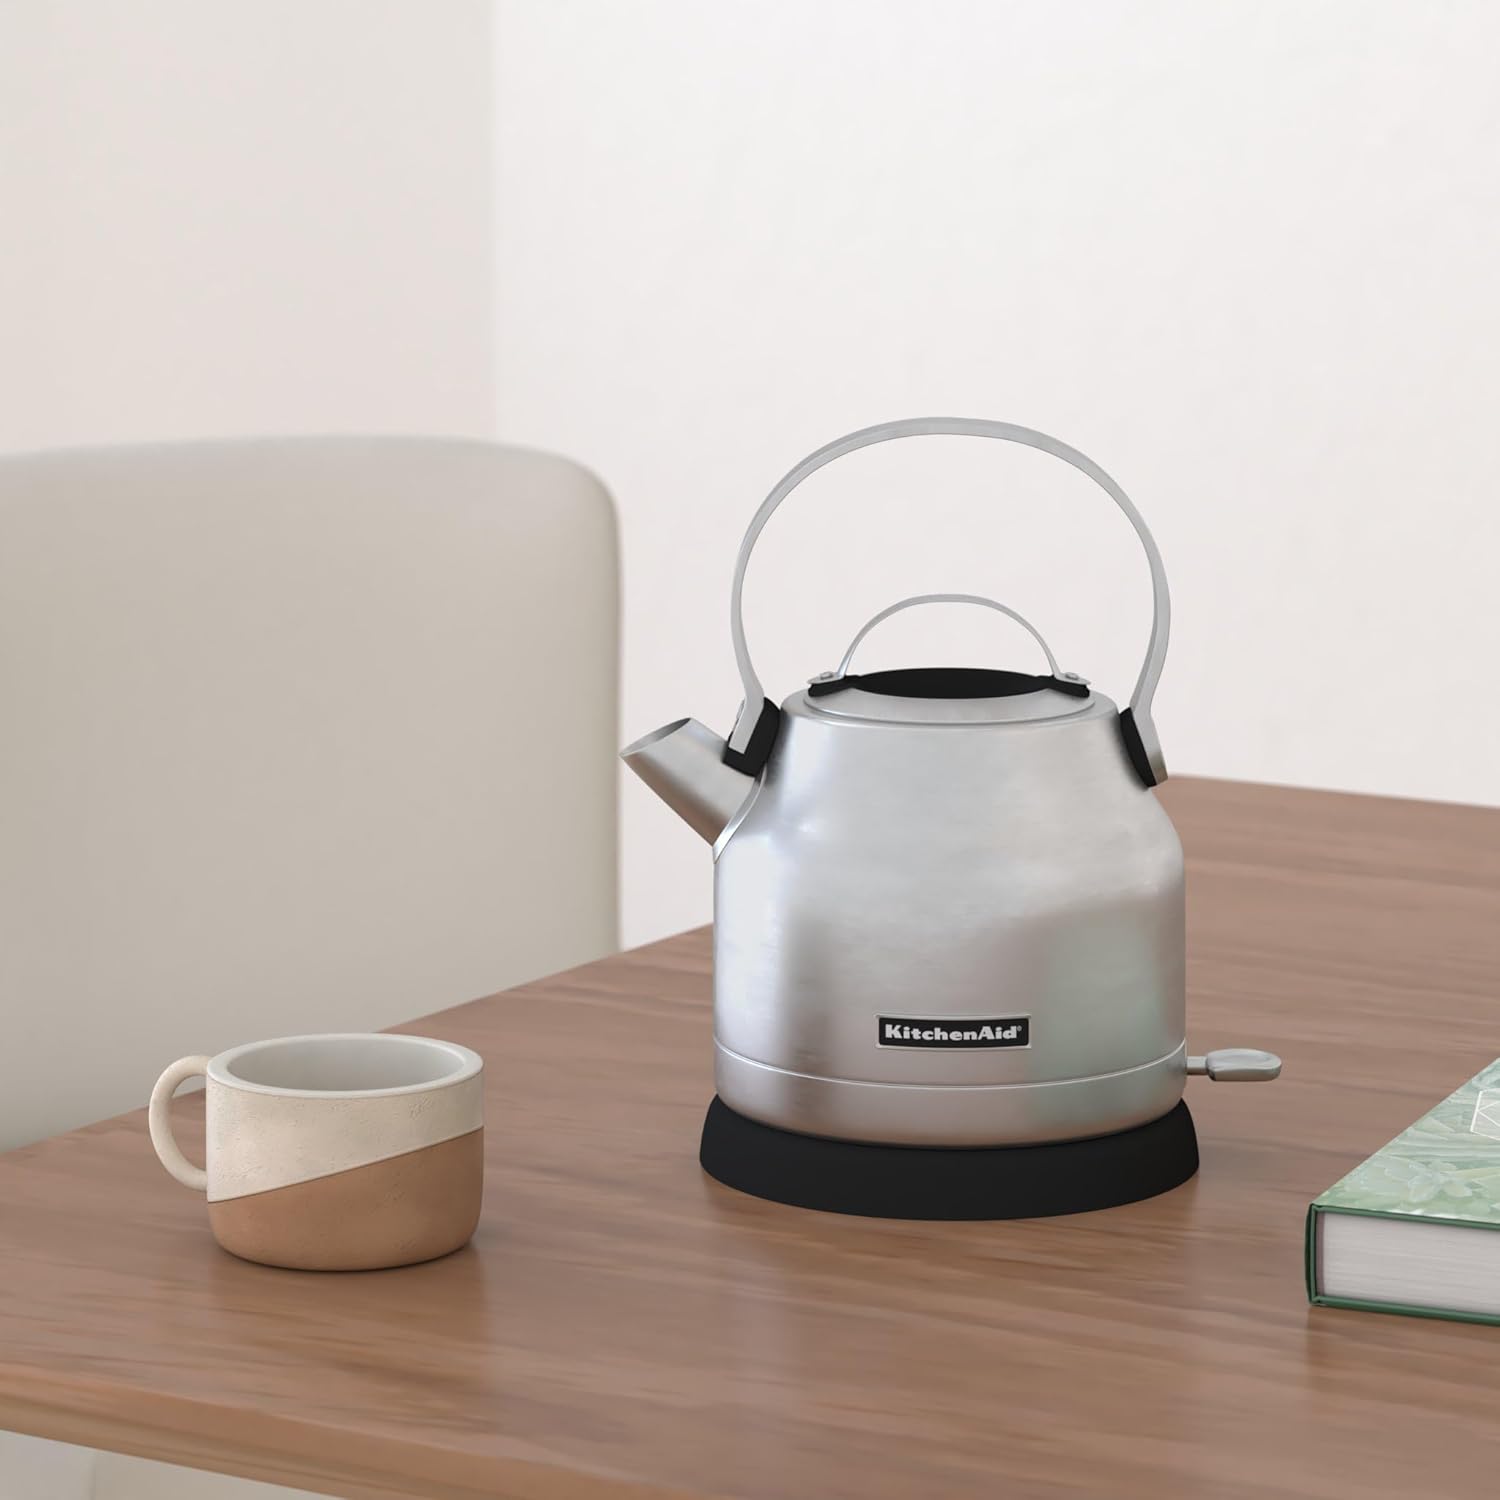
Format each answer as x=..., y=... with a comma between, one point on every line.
x=894, y=1083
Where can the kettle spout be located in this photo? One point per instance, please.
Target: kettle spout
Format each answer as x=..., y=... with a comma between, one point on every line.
x=683, y=763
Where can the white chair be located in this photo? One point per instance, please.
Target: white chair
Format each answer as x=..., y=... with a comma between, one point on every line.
x=295, y=735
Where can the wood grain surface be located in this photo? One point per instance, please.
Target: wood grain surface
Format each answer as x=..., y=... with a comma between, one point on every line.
x=622, y=1326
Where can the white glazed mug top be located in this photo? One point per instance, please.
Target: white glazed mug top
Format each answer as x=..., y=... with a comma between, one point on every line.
x=344, y=1065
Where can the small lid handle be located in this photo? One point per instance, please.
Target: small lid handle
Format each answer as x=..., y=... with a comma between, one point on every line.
x=916, y=599
x=754, y=731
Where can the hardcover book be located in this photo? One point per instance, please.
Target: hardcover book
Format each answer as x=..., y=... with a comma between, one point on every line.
x=1410, y=1230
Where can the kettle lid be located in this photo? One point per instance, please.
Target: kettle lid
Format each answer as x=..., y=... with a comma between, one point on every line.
x=948, y=695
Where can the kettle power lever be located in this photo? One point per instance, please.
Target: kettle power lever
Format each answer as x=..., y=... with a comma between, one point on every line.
x=1236, y=1065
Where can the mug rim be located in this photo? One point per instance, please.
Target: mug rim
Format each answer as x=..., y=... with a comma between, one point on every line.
x=467, y=1064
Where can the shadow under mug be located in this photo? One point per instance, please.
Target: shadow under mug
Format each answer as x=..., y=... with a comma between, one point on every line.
x=345, y=1152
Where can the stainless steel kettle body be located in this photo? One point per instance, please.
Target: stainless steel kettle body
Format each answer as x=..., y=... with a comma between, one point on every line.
x=1015, y=877
x=948, y=907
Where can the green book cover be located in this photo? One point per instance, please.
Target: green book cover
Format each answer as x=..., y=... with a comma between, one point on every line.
x=1443, y=1169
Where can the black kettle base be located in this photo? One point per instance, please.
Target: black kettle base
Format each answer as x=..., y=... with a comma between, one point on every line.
x=928, y=1182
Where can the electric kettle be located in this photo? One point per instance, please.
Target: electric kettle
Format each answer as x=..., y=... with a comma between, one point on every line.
x=948, y=907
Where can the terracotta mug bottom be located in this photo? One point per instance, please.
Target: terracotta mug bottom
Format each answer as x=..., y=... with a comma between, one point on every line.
x=408, y=1208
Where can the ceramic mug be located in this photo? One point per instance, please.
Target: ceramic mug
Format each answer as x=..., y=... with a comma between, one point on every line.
x=335, y=1153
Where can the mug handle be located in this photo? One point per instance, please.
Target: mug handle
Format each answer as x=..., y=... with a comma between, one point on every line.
x=160, y=1119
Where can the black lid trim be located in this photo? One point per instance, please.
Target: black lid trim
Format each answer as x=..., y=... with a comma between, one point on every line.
x=948, y=682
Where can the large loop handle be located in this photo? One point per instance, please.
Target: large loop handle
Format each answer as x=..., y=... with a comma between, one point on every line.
x=159, y=1120
x=755, y=729
x=895, y=609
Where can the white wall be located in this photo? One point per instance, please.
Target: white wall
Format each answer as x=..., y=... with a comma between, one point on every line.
x=1243, y=254
x=241, y=218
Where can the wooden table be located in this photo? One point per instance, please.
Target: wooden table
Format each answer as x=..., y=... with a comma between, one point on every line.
x=624, y=1327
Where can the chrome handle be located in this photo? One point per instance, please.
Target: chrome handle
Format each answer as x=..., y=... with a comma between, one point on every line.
x=1004, y=609
x=1236, y=1065
x=754, y=707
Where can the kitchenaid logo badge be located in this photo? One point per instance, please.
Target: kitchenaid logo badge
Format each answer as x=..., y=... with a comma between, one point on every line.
x=964, y=1031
